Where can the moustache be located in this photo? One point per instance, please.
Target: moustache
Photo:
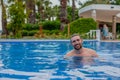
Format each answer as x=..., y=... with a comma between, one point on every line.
x=78, y=44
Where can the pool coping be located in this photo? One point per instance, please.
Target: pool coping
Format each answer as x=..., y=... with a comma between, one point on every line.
x=110, y=41
x=35, y=40
x=39, y=40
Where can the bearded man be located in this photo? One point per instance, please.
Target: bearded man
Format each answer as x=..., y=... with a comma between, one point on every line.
x=79, y=50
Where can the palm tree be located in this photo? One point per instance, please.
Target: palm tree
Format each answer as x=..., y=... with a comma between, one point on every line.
x=30, y=9
x=40, y=7
x=73, y=9
x=48, y=9
x=4, y=19
x=56, y=11
x=63, y=13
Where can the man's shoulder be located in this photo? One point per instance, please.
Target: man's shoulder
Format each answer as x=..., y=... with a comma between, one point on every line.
x=93, y=52
x=69, y=54
x=89, y=49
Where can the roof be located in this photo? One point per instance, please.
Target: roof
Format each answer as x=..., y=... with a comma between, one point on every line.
x=104, y=12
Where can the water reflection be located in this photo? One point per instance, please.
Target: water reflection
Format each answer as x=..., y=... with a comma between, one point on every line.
x=80, y=62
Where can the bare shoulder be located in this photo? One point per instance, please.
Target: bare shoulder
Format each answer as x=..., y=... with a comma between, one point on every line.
x=92, y=52
x=70, y=53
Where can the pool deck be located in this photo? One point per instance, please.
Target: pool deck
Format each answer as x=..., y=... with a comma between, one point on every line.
x=110, y=40
x=37, y=40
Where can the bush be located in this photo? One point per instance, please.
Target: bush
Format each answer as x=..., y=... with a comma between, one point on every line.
x=51, y=25
x=24, y=33
x=29, y=33
x=49, y=32
x=81, y=26
x=29, y=26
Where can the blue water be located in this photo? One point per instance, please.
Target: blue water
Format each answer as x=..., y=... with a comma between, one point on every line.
x=43, y=60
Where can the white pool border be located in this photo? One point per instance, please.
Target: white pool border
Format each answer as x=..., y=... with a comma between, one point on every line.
x=35, y=40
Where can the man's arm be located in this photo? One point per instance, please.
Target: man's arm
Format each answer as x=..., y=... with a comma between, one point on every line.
x=93, y=53
x=69, y=54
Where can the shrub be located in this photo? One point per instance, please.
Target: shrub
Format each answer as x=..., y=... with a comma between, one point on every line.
x=29, y=33
x=51, y=25
x=24, y=33
x=29, y=26
x=49, y=32
x=81, y=26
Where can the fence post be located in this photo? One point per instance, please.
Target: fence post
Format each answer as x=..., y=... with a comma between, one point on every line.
x=98, y=35
x=68, y=29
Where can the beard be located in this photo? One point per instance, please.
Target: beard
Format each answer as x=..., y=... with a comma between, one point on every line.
x=78, y=46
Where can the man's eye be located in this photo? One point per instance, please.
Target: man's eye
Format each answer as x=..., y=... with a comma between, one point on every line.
x=73, y=41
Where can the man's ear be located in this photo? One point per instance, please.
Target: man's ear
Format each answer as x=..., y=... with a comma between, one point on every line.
x=81, y=40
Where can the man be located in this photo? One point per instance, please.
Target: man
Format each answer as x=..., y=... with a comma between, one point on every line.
x=79, y=50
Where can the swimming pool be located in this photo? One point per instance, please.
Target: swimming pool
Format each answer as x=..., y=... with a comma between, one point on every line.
x=43, y=60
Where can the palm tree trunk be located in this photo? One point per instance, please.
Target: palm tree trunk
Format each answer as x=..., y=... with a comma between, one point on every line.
x=73, y=10
x=63, y=13
x=30, y=9
x=4, y=20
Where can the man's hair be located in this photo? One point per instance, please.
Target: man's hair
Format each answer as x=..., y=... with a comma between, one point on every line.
x=74, y=35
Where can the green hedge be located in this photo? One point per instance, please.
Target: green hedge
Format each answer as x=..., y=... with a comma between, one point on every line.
x=29, y=26
x=30, y=29
x=51, y=25
x=49, y=32
x=29, y=33
x=81, y=26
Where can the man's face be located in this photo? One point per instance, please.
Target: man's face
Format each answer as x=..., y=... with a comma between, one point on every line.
x=76, y=42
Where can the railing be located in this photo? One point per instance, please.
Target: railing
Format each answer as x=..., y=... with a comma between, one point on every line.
x=0, y=33
x=94, y=34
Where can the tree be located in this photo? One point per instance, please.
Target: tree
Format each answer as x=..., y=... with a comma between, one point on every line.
x=17, y=18
x=40, y=7
x=63, y=13
x=115, y=2
x=55, y=11
x=89, y=2
x=30, y=9
x=4, y=19
x=48, y=9
x=69, y=14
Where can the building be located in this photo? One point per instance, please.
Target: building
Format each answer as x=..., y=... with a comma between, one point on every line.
x=102, y=13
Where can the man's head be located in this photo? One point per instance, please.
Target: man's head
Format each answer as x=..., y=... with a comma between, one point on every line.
x=76, y=41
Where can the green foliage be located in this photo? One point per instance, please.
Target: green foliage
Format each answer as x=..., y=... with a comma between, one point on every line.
x=30, y=29
x=70, y=12
x=51, y=25
x=29, y=26
x=81, y=26
x=118, y=28
x=29, y=33
x=18, y=35
x=16, y=12
x=49, y=32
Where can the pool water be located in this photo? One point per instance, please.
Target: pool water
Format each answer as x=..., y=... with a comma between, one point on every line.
x=43, y=60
